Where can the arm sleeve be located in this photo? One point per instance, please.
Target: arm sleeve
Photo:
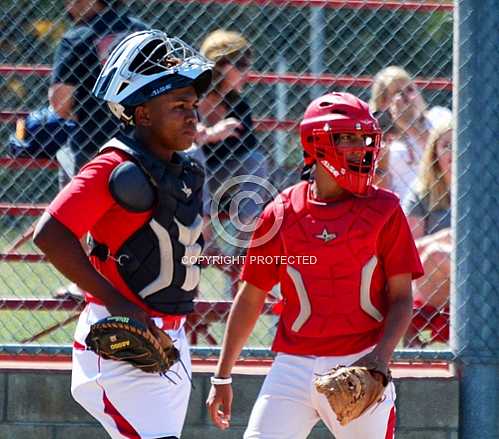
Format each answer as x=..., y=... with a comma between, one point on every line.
x=81, y=204
x=397, y=248
x=261, y=266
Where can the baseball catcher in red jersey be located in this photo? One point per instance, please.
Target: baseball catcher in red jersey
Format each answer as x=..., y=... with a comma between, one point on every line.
x=139, y=203
x=345, y=307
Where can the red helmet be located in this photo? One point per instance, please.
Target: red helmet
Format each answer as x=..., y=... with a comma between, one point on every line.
x=327, y=129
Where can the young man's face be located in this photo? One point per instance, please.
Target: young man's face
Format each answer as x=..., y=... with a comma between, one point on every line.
x=172, y=118
x=346, y=141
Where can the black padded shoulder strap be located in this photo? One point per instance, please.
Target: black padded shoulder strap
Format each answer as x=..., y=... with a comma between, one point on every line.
x=131, y=188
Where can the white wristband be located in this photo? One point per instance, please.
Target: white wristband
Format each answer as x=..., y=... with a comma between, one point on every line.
x=220, y=381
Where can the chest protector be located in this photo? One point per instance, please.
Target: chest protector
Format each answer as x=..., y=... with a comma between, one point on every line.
x=158, y=262
x=343, y=292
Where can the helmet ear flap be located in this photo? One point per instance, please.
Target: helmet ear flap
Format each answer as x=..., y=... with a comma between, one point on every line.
x=123, y=113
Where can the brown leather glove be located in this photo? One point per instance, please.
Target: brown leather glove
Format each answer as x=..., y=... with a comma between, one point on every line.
x=352, y=390
x=124, y=339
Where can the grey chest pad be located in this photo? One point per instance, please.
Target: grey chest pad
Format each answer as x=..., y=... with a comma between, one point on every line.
x=131, y=188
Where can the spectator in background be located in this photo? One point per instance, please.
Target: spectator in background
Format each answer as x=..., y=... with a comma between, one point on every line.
x=395, y=93
x=98, y=25
x=428, y=211
x=428, y=204
x=226, y=142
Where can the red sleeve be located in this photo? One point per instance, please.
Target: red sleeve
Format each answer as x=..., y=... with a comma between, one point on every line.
x=397, y=248
x=86, y=198
x=261, y=266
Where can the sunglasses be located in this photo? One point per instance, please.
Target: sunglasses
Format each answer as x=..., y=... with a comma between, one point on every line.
x=242, y=63
x=406, y=91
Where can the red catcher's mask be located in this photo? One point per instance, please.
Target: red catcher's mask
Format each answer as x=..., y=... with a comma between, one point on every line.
x=339, y=132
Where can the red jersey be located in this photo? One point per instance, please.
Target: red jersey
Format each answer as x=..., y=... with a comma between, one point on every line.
x=332, y=261
x=86, y=205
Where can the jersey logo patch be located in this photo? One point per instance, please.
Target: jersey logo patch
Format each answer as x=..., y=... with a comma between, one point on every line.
x=186, y=190
x=326, y=236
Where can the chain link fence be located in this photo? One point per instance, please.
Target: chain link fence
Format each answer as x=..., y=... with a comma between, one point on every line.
x=397, y=55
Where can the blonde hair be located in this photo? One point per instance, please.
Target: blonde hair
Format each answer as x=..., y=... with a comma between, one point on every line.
x=223, y=43
x=431, y=178
x=383, y=79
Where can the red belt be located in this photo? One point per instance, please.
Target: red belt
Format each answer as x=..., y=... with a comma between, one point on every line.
x=172, y=322
x=167, y=322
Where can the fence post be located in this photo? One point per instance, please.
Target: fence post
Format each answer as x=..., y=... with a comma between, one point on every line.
x=475, y=302
x=317, y=39
x=281, y=138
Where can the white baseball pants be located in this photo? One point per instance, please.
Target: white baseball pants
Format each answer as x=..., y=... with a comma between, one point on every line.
x=129, y=403
x=289, y=406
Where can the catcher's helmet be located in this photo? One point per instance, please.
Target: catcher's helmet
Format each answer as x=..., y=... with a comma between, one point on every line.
x=325, y=121
x=147, y=64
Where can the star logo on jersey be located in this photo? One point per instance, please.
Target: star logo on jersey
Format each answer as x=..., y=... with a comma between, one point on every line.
x=186, y=190
x=326, y=236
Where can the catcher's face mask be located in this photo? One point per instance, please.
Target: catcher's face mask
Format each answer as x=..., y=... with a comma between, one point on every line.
x=339, y=132
x=148, y=64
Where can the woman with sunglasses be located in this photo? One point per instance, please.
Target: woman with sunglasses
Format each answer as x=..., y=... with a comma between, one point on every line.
x=226, y=143
x=395, y=94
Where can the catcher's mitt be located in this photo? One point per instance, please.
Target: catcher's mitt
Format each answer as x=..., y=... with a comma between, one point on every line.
x=125, y=339
x=352, y=390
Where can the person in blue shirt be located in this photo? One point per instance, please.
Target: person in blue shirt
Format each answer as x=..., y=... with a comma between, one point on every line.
x=98, y=25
